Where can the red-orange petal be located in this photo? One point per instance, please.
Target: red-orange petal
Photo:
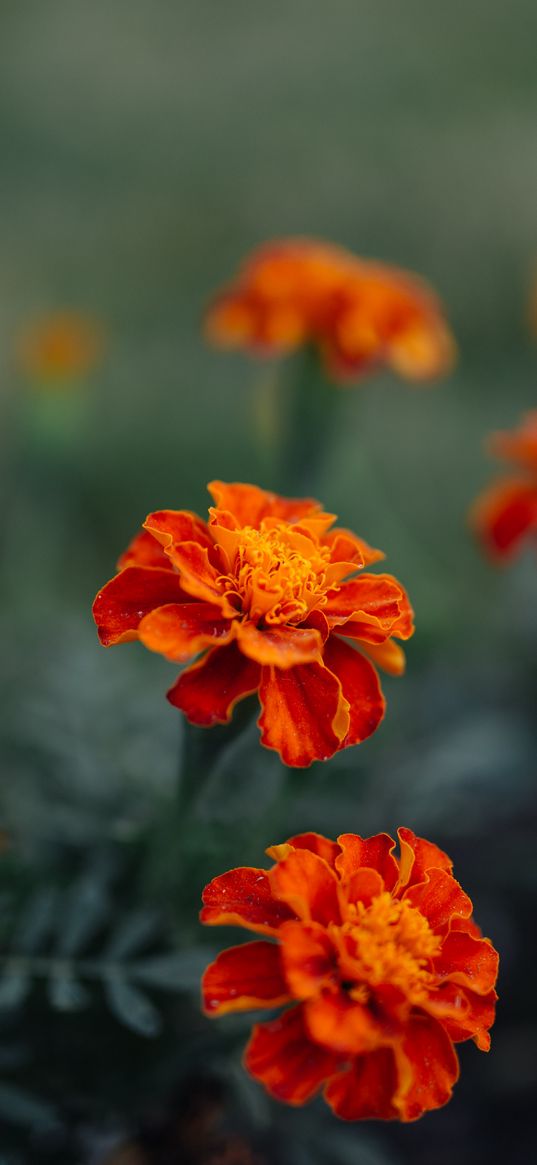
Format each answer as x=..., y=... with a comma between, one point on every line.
x=345, y=546
x=181, y=630
x=418, y=856
x=243, y=897
x=475, y=1014
x=469, y=961
x=365, y=1090
x=199, y=577
x=374, y=852
x=504, y=515
x=309, y=958
x=427, y=1066
x=304, y=717
x=377, y=596
x=389, y=656
x=361, y=689
x=322, y=846
x=249, y=504
x=335, y=1021
x=208, y=690
x=171, y=526
x=125, y=600
x=281, y=1055
x=307, y=884
x=244, y=977
x=281, y=647
x=439, y=899
x=144, y=550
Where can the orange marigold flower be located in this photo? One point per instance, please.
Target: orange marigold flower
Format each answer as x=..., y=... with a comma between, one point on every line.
x=359, y=314
x=269, y=592
x=505, y=514
x=378, y=957
x=59, y=347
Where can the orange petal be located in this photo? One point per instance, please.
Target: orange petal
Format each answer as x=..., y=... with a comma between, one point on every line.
x=389, y=656
x=326, y=849
x=281, y=1055
x=418, y=856
x=376, y=595
x=304, y=716
x=475, y=1014
x=337, y=1022
x=519, y=444
x=244, y=977
x=281, y=647
x=249, y=504
x=144, y=550
x=170, y=526
x=365, y=1090
x=207, y=691
x=427, y=1066
x=439, y=899
x=181, y=630
x=199, y=577
x=243, y=897
x=125, y=600
x=309, y=958
x=308, y=886
x=374, y=852
x=361, y=689
x=469, y=961
x=347, y=547
x=504, y=515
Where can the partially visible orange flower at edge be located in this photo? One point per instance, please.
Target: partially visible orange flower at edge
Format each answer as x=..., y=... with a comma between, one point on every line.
x=358, y=313
x=59, y=347
x=377, y=960
x=504, y=516
x=274, y=600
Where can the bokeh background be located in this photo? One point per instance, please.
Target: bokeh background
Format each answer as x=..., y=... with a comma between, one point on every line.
x=146, y=146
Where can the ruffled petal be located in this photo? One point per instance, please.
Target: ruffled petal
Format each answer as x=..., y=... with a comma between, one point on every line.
x=125, y=600
x=376, y=596
x=281, y=647
x=322, y=846
x=181, y=630
x=388, y=656
x=439, y=899
x=281, y=1055
x=309, y=958
x=144, y=550
x=207, y=691
x=171, y=526
x=334, y=1020
x=304, y=716
x=471, y=1017
x=243, y=897
x=418, y=856
x=347, y=547
x=427, y=1068
x=244, y=977
x=199, y=577
x=361, y=689
x=376, y=853
x=308, y=886
x=469, y=961
x=249, y=504
x=504, y=515
x=365, y=1090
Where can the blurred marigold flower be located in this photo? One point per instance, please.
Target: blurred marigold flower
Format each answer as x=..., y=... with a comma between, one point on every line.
x=380, y=959
x=358, y=313
x=263, y=591
x=59, y=348
x=505, y=514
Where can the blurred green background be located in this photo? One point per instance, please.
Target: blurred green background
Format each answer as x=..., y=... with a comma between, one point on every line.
x=146, y=147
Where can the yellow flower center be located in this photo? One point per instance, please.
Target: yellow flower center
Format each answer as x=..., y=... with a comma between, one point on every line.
x=391, y=943
x=279, y=574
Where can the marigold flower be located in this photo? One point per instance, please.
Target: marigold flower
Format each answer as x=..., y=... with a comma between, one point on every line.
x=269, y=592
x=379, y=958
x=358, y=313
x=505, y=514
x=59, y=347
